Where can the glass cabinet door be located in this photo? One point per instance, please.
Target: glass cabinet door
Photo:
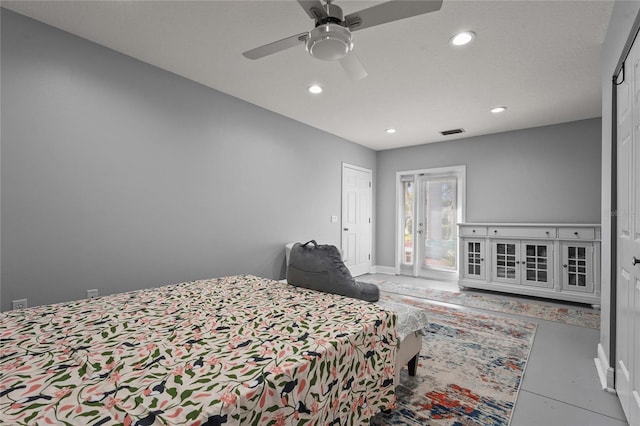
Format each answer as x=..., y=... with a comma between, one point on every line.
x=505, y=256
x=474, y=259
x=537, y=264
x=577, y=267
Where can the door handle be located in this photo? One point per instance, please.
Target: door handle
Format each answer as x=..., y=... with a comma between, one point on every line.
x=345, y=229
x=635, y=261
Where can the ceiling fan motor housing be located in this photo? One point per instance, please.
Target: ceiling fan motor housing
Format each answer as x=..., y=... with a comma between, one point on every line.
x=329, y=42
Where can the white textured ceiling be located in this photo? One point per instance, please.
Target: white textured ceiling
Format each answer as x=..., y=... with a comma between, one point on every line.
x=541, y=59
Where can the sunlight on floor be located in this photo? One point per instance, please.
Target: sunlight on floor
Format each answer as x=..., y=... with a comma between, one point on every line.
x=413, y=281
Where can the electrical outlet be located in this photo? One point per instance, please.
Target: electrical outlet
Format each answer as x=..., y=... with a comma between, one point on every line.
x=92, y=294
x=19, y=304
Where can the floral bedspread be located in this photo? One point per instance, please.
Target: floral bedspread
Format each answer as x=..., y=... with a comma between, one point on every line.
x=235, y=350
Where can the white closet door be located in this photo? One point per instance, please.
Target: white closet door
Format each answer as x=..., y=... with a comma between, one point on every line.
x=356, y=219
x=628, y=240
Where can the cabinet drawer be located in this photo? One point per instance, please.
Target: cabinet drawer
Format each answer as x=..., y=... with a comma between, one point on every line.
x=473, y=231
x=577, y=233
x=522, y=232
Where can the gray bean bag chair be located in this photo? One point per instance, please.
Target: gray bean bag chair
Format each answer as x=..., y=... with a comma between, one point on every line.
x=320, y=267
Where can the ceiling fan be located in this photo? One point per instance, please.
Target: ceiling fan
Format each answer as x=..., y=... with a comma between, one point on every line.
x=331, y=38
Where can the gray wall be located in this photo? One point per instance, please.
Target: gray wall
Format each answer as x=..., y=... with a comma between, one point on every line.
x=543, y=174
x=622, y=17
x=117, y=175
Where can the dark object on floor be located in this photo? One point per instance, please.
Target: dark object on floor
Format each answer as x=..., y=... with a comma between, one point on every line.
x=320, y=267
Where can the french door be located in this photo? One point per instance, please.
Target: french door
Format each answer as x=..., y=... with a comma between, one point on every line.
x=430, y=207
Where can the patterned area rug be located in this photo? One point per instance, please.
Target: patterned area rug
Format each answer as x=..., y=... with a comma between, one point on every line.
x=564, y=314
x=469, y=371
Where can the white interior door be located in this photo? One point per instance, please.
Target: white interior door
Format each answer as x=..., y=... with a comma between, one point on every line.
x=627, y=364
x=356, y=218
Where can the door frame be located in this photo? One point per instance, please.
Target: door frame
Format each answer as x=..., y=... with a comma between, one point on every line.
x=461, y=171
x=342, y=207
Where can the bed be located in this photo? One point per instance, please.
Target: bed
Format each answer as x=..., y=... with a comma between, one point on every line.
x=411, y=321
x=235, y=350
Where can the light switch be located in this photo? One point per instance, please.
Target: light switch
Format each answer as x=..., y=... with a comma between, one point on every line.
x=334, y=219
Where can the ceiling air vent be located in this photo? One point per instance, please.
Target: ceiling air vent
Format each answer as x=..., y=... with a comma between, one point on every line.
x=452, y=132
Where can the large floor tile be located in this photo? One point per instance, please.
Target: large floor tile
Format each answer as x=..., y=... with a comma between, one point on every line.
x=561, y=367
x=537, y=410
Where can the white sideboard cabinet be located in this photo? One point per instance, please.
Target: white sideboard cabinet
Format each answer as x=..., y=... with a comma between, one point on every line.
x=557, y=261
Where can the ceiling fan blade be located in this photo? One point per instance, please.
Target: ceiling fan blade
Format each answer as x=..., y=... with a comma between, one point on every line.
x=390, y=11
x=276, y=46
x=314, y=8
x=353, y=67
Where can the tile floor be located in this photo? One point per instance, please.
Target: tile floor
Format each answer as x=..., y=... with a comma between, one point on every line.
x=560, y=385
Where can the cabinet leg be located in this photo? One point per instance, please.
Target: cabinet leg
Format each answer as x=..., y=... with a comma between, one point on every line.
x=413, y=365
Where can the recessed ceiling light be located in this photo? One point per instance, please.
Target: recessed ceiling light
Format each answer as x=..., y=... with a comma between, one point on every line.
x=462, y=38
x=498, y=110
x=390, y=130
x=315, y=89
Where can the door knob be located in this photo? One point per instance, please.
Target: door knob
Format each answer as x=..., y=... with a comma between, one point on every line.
x=420, y=231
x=635, y=261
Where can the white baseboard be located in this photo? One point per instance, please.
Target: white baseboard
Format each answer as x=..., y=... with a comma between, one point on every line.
x=605, y=371
x=377, y=269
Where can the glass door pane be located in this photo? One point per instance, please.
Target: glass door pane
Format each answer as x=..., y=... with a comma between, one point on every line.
x=505, y=261
x=538, y=265
x=408, y=191
x=577, y=267
x=474, y=259
x=439, y=237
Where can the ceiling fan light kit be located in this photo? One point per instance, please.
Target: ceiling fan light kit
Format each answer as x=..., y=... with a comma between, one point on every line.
x=329, y=42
